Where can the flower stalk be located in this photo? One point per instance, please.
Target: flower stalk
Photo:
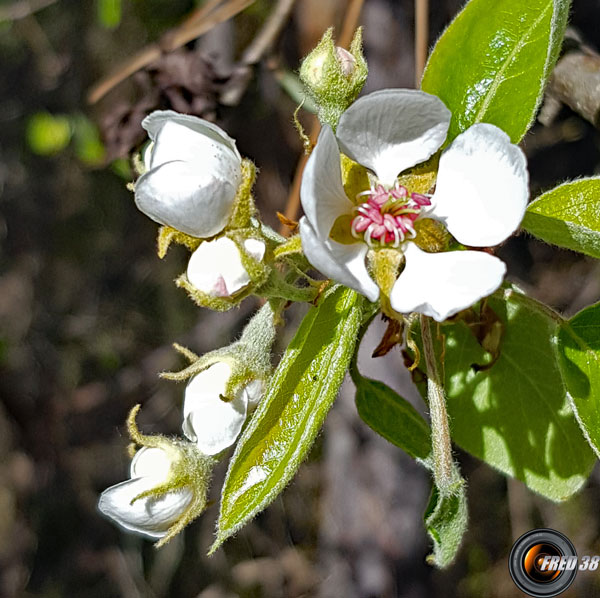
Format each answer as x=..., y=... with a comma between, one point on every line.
x=444, y=471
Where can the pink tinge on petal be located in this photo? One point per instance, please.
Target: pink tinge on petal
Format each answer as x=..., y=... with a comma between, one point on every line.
x=220, y=288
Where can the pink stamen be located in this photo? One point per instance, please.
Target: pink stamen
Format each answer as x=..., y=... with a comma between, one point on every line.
x=387, y=216
x=420, y=199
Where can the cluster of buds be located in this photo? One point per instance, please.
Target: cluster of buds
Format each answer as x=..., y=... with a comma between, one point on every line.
x=169, y=477
x=195, y=184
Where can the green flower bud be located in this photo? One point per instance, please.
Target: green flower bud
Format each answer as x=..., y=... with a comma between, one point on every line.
x=334, y=76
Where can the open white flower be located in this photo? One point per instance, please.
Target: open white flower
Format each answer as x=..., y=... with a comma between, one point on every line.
x=480, y=196
x=149, y=516
x=193, y=171
x=216, y=267
x=210, y=419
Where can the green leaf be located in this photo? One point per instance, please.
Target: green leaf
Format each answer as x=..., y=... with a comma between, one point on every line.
x=493, y=61
x=568, y=216
x=516, y=415
x=579, y=349
x=392, y=417
x=292, y=411
x=446, y=519
x=48, y=134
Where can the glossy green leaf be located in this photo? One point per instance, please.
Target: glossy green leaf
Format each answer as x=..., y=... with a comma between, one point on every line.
x=579, y=348
x=392, y=417
x=568, y=216
x=493, y=61
x=446, y=519
x=516, y=415
x=292, y=411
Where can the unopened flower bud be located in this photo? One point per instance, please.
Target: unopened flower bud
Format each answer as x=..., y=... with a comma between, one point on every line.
x=334, y=76
x=151, y=516
x=212, y=419
x=167, y=488
x=217, y=267
x=192, y=174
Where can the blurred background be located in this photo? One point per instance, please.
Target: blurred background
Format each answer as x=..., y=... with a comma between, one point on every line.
x=88, y=312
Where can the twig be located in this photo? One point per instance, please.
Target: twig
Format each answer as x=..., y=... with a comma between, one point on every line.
x=23, y=8
x=255, y=52
x=193, y=27
x=421, y=38
x=350, y=23
x=293, y=202
x=268, y=33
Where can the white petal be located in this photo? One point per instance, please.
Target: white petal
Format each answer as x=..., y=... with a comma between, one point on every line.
x=151, y=517
x=322, y=193
x=154, y=122
x=442, y=284
x=147, y=156
x=208, y=155
x=216, y=268
x=180, y=196
x=393, y=129
x=482, y=186
x=255, y=248
x=254, y=392
x=342, y=263
x=150, y=462
x=210, y=422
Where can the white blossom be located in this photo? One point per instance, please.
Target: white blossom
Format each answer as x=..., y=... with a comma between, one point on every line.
x=480, y=196
x=216, y=267
x=211, y=419
x=150, y=516
x=193, y=171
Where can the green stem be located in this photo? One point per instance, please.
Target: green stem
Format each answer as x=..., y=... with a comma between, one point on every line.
x=278, y=286
x=444, y=472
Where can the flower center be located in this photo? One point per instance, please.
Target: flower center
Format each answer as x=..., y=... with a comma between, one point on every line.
x=387, y=217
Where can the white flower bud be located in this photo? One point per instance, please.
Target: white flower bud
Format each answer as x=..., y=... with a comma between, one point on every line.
x=193, y=172
x=150, y=516
x=216, y=267
x=210, y=419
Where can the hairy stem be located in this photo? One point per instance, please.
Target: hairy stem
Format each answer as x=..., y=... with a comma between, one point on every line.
x=444, y=472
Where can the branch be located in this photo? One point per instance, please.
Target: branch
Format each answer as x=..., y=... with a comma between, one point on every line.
x=574, y=82
x=201, y=21
x=421, y=38
x=254, y=53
